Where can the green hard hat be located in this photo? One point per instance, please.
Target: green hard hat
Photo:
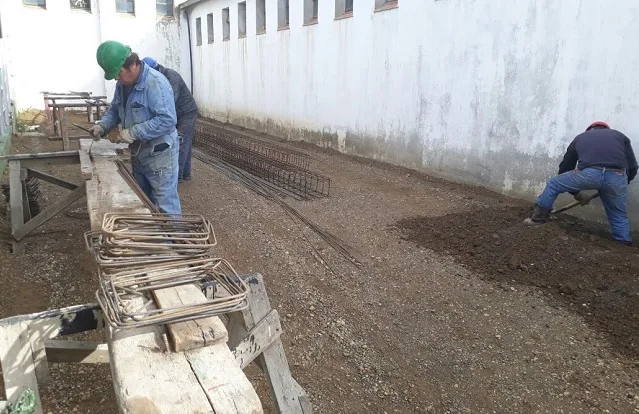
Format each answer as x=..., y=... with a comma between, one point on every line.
x=111, y=56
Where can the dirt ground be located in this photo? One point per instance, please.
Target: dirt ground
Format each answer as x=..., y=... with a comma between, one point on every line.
x=458, y=308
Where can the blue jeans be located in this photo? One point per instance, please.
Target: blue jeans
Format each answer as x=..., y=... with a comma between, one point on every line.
x=612, y=187
x=186, y=129
x=156, y=172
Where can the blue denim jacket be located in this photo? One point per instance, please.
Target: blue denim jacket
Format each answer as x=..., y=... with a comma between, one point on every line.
x=149, y=113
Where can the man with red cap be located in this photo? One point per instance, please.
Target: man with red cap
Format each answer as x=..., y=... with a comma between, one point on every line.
x=599, y=159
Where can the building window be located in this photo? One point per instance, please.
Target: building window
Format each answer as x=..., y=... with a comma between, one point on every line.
x=226, y=24
x=125, y=6
x=241, y=19
x=310, y=11
x=39, y=3
x=343, y=8
x=164, y=7
x=81, y=5
x=381, y=5
x=198, y=31
x=282, y=14
x=260, y=16
x=209, y=26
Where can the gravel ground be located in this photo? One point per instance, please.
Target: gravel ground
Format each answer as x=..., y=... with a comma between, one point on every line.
x=443, y=317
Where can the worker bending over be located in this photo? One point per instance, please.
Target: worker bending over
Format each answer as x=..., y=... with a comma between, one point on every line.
x=143, y=104
x=186, y=111
x=604, y=161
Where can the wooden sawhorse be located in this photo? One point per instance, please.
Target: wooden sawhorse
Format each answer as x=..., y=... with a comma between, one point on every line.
x=28, y=343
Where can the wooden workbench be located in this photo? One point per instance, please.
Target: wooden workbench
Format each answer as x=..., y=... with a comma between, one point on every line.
x=149, y=378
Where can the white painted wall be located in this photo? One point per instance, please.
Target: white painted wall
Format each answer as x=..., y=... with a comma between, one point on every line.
x=5, y=95
x=485, y=91
x=53, y=49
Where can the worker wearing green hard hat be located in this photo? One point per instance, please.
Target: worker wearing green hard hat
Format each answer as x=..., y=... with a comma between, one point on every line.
x=111, y=56
x=144, y=110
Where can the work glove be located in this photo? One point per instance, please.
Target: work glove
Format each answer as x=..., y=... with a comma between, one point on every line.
x=97, y=131
x=123, y=136
x=582, y=198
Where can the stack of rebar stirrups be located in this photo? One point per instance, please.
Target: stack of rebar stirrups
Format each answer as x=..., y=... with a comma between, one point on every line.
x=140, y=255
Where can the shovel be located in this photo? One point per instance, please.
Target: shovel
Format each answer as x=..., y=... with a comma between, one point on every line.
x=573, y=204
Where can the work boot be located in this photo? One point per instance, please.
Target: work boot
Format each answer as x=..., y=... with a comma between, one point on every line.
x=539, y=216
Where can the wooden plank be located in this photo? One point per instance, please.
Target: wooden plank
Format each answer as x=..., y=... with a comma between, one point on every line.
x=41, y=156
x=259, y=338
x=305, y=402
x=63, y=129
x=145, y=375
x=192, y=334
x=38, y=332
x=86, y=352
x=273, y=359
x=148, y=379
x=26, y=208
x=64, y=321
x=15, y=195
x=86, y=166
x=18, y=369
x=48, y=213
x=226, y=386
x=50, y=179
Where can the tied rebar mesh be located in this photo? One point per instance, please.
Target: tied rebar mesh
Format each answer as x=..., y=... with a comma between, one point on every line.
x=140, y=254
x=285, y=168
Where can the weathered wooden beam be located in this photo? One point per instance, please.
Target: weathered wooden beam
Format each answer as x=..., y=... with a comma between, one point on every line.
x=40, y=156
x=288, y=396
x=48, y=213
x=67, y=321
x=85, y=352
x=15, y=199
x=50, y=179
x=50, y=324
x=26, y=208
x=191, y=334
x=63, y=129
x=259, y=338
x=16, y=360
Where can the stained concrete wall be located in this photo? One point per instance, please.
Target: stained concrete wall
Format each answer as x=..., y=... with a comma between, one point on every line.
x=6, y=120
x=53, y=49
x=487, y=91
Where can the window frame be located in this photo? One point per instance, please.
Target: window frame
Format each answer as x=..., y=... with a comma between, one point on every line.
x=210, y=29
x=125, y=11
x=85, y=9
x=311, y=12
x=168, y=4
x=33, y=3
x=283, y=9
x=226, y=24
x=383, y=5
x=241, y=19
x=260, y=7
x=198, y=31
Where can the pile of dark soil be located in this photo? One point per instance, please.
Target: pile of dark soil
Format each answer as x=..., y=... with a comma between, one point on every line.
x=592, y=275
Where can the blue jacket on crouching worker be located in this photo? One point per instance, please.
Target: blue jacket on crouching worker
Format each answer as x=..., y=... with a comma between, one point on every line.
x=186, y=110
x=599, y=159
x=147, y=110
